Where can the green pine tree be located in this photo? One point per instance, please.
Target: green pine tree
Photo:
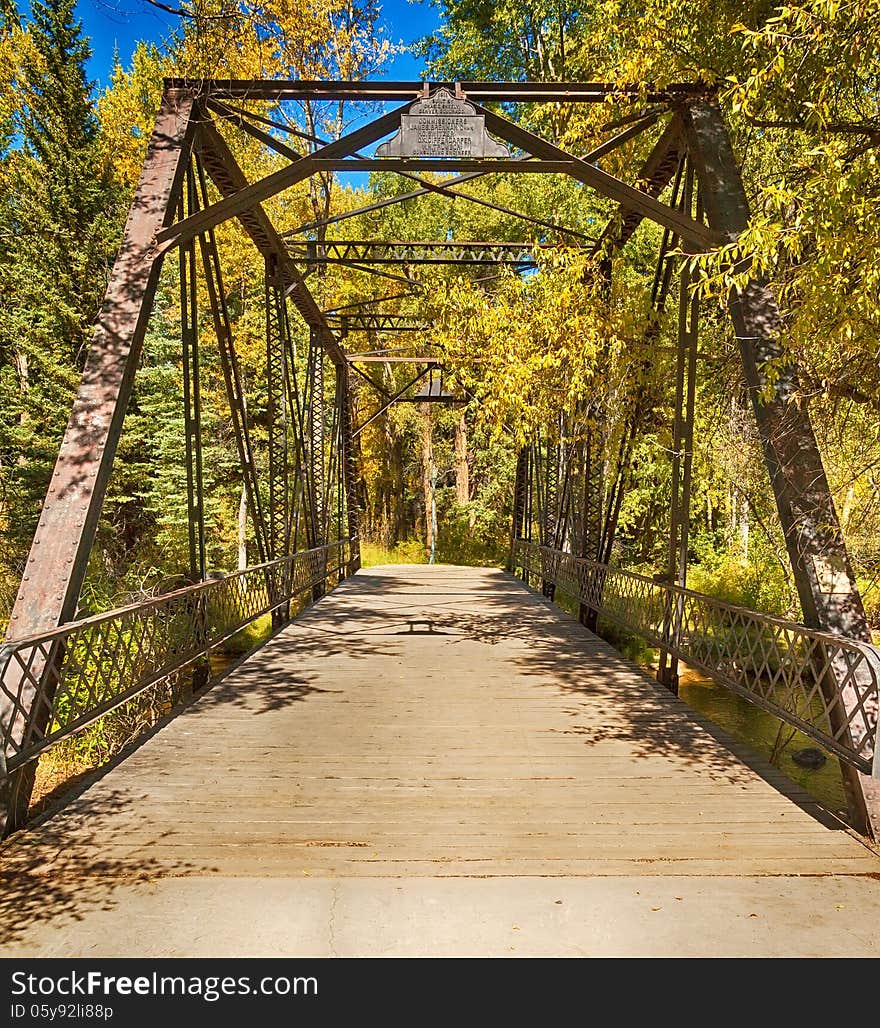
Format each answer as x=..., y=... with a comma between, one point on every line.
x=58, y=227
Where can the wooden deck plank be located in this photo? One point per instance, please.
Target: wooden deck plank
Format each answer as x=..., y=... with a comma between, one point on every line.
x=507, y=743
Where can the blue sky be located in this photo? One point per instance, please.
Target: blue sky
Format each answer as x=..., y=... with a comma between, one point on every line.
x=121, y=24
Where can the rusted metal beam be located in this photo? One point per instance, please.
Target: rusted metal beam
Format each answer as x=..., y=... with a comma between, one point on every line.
x=354, y=358
x=246, y=125
x=641, y=125
x=486, y=165
x=693, y=234
x=277, y=348
x=348, y=457
x=393, y=399
x=501, y=92
x=227, y=176
x=192, y=391
x=820, y=563
x=233, y=381
x=316, y=436
x=520, y=491
x=56, y=566
x=441, y=189
x=550, y=158
x=254, y=193
x=656, y=173
x=368, y=322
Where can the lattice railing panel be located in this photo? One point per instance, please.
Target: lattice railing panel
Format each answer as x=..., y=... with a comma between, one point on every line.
x=824, y=685
x=84, y=669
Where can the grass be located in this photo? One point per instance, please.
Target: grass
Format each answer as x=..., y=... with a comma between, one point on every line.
x=251, y=635
x=413, y=551
x=410, y=552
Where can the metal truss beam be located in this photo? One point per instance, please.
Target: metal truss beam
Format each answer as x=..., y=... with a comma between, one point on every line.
x=639, y=126
x=229, y=179
x=56, y=566
x=520, y=495
x=254, y=193
x=485, y=165
x=232, y=377
x=693, y=235
x=349, y=459
x=316, y=437
x=337, y=251
x=655, y=175
x=441, y=190
x=485, y=92
x=355, y=358
x=366, y=322
x=277, y=347
x=192, y=392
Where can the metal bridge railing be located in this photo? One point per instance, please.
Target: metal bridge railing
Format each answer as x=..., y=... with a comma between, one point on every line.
x=81, y=671
x=779, y=665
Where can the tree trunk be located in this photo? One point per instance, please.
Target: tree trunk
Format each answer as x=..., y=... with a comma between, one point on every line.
x=427, y=471
x=462, y=473
x=846, y=513
x=242, y=530
x=24, y=384
x=394, y=451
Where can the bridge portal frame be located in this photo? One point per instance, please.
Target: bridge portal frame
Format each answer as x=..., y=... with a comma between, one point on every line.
x=714, y=212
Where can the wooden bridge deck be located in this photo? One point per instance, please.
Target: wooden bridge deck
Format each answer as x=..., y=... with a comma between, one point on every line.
x=502, y=783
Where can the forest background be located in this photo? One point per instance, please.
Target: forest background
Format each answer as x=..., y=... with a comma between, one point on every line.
x=800, y=87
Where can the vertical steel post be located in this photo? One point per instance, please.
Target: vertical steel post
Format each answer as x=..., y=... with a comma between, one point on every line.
x=528, y=514
x=276, y=410
x=276, y=416
x=550, y=517
x=233, y=380
x=316, y=448
x=593, y=495
x=317, y=425
x=520, y=487
x=682, y=462
x=192, y=426
x=192, y=412
x=348, y=457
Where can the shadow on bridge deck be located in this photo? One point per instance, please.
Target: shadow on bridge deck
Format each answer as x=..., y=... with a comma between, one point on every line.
x=489, y=779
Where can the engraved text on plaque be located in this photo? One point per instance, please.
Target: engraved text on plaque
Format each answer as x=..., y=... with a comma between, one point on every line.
x=442, y=126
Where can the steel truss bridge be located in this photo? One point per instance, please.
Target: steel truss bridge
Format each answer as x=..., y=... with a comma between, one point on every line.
x=61, y=673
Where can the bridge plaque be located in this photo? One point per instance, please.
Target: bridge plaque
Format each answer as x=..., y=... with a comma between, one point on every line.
x=442, y=125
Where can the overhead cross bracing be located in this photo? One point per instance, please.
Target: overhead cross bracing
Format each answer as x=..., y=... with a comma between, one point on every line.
x=303, y=494
x=345, y=323
x=379, y=251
